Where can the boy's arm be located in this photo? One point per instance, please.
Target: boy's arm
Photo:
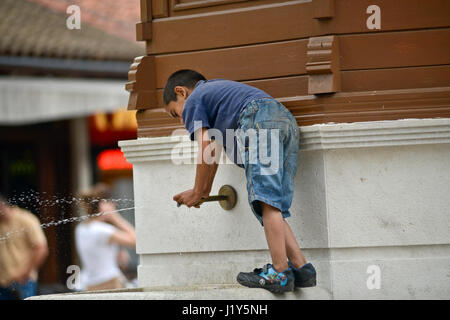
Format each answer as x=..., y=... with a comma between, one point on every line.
x=210, y=180
x=205, y=172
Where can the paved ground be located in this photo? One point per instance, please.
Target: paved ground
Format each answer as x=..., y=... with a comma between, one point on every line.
x=208, y=292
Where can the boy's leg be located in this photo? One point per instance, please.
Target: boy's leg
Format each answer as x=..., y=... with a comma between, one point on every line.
x=276, y=277
x=281, y=240
x=275, y=230
x=293, y=251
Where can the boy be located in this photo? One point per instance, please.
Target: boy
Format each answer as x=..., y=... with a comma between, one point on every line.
x=222, y=105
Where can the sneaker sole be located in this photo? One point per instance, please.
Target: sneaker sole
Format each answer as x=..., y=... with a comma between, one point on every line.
x=272, y=288
x=307, y=284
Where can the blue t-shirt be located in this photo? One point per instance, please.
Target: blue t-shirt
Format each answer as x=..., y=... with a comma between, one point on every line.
x=217, y=104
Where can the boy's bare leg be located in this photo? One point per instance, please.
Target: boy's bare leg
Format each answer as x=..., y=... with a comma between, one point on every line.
x=274, y=228
x=293, y=250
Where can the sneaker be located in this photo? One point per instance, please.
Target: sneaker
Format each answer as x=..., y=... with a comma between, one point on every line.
x=305, y=276
x=268, y=278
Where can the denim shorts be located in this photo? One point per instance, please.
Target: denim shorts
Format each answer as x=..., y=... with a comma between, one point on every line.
x=268, y=144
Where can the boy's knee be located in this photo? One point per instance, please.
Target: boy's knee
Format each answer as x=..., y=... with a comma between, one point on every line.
x=267, y=210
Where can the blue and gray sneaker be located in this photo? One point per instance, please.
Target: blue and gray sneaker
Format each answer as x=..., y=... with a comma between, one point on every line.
x=268, y=278
x=305, y=276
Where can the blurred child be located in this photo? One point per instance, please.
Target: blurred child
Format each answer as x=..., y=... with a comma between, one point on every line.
x=98, y=241
x=23, y=249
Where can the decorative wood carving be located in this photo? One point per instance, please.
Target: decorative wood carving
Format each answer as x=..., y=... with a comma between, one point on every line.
x=322, y=65
x=141, y=83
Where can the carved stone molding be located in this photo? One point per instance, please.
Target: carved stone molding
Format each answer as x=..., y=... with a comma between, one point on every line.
x=141, y=83
x=322, y=65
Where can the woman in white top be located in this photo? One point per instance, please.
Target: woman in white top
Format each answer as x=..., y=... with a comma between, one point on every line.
x=98, y=241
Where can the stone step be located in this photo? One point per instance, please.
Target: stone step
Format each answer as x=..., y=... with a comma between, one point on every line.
x=204, y=292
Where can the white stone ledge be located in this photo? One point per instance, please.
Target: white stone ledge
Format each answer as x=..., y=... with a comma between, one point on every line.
x=316, y=137
x=375, y=134
x=160, y=148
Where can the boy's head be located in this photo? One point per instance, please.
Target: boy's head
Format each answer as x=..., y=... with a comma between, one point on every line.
x=178, y=88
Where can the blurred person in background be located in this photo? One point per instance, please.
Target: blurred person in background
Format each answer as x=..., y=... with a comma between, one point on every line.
x=23, y=249
x=98, y=241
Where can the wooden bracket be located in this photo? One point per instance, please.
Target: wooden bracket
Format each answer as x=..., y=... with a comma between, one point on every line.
x=322, y=65
x=143, y=31
x=160, y=8
x=323, y=9
x=142, y=83
x=146, y=10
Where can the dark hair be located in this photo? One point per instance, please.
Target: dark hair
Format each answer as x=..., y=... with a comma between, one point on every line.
x=90, y=199
x=185, y=78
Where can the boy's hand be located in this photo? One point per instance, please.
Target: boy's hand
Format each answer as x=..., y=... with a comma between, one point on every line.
x=188, y=198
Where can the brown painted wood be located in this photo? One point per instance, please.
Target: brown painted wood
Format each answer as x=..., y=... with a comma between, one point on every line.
x=404, y=66
x=339, y=107
x=242, y=63
x=160, y=8
x=396, y=78
x=195, y=7
x=370, y=106
x=395, y=49
x=216, y=30
x=358, y=80
x=143, y=31
x=289, y=20
x=322, y=65
x=141, y=83
x=178, y=5
x=288, y=58
x=323, y=9
x=146, y=10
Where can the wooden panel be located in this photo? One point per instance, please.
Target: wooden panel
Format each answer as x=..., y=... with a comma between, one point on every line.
x=178, y=5
x=359, y=80
x=197, y=7
x=370, y=106
x=277, y=87
x=146, y=10
x=288, y=58
x=231, y=28
x=396, y=78
x=246, y=63
x=155, y=123
x=291, y=20
x=395, y=49
x=339, y=107
x=323, y=8
x=160, y=8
